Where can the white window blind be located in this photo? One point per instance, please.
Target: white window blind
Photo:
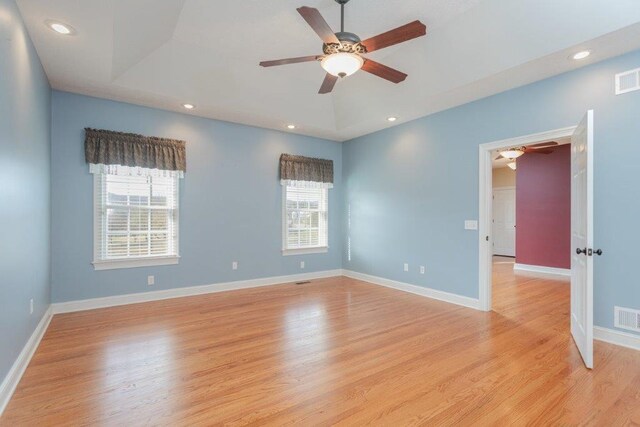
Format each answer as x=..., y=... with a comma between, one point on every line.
x=305, y=216
x=136, y=218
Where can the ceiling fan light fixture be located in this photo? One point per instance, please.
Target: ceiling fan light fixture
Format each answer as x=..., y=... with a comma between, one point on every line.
x=342, y=64
x=512, y=165
x=512, y=153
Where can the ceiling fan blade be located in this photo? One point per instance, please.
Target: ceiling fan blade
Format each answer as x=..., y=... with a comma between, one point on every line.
x=290, y=61
x=538, y=151
x=383, y=71
x=319, y=25
x=543, y=144
x=500, y=156
x=328, y=84
x=401, y=34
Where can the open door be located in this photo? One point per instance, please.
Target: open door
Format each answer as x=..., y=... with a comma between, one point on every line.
x=582, y=238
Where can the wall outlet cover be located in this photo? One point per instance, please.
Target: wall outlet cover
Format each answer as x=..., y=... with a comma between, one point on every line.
x=151, y=280
x=471, y=224
x=301, y=264
x=234, y=265
x=406, y=267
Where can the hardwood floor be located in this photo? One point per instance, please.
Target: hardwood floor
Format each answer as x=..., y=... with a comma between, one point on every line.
x=336, y=351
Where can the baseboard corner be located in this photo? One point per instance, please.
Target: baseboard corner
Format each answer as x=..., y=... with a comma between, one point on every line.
x=10, y=382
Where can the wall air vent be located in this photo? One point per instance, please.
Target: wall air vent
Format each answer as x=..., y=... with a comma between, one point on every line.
x=627, y=318
x=628, y=81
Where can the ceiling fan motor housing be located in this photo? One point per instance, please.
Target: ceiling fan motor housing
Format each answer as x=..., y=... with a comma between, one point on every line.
x=349, y=43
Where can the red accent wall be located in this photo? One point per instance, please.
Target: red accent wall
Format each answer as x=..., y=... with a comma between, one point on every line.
x=543, y=209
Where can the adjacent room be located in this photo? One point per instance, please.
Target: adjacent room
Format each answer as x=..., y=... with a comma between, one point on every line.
x=319, y=212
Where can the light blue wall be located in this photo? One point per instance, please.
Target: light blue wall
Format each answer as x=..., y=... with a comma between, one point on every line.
x=230, y=200
x=25, y=118
x=411, y=187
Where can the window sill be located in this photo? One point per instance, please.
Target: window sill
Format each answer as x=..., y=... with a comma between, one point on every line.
x=305, y=251
x=134, y=263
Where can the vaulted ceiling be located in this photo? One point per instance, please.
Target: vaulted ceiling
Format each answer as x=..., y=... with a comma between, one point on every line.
x=204, y=52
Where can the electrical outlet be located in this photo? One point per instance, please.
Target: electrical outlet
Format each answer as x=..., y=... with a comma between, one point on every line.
x=234, y=265
x=31, y=306
x=151, y=280
x=302, y=264
x=406, y=267
x=422, y=269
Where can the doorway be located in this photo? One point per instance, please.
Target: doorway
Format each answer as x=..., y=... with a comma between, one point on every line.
x=581, y=224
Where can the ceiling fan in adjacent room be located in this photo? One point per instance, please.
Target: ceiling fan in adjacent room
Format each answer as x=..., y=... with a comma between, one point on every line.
x=515, y=152
x=343, y=51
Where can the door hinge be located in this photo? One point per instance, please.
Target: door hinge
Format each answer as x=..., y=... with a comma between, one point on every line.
x=487, y=238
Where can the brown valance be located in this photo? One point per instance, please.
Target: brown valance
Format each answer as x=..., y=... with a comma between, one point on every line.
x=299, y=168
x=128, y=149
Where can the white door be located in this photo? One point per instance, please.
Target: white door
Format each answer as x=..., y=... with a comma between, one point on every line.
x=504, y=221
x=582, y=238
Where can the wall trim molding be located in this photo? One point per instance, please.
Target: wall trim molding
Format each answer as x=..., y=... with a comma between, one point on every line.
x=539, y=269
x=14, y=375
x=616, y=337
x=116, y=300
x=417, y=290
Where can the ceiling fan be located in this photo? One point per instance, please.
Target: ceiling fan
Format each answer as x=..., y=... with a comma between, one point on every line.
x=343, y=51
x=515, y=152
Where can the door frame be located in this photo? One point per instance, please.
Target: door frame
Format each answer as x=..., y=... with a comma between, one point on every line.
x=485, y=169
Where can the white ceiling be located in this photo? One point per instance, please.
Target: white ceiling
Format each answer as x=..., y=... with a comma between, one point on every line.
x=166, y=53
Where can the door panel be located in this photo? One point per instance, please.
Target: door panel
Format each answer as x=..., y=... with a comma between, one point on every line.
x=582, y=238
x=504, y=221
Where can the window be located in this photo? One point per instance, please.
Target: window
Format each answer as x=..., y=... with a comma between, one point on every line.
x=305, y=228
x=136, y=220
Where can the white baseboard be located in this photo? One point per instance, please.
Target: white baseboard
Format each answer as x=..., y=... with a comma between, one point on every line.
x=14, y=375
x=418, y=290
x=613, y=336
x=539, y=269
x=93, y=303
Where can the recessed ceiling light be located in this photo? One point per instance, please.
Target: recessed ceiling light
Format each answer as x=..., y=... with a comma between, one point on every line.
x=189, y=106
x=392, y=119
x=60, y=28
x=582, y=55
x=291, y=126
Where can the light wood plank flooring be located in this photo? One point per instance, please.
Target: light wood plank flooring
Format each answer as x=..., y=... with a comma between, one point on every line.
x=336, y=351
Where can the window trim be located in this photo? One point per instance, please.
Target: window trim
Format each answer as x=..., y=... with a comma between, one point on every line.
x=300, y=251
x=144, y=261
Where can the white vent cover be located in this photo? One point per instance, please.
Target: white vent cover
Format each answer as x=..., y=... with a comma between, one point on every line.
x=627, y=318
x=628, y=81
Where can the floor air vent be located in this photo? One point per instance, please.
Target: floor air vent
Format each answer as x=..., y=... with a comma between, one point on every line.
x=628, y=81
x=304, y=282
x=627, y=318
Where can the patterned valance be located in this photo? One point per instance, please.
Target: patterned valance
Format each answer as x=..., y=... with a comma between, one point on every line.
x=108, y=148
x=299, y=168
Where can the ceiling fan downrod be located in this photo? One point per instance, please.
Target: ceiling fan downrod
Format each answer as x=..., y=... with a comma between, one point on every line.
x=342, y=3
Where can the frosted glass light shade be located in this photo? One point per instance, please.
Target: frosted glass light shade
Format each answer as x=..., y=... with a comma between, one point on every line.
x=511, y=154
x=342, y=64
